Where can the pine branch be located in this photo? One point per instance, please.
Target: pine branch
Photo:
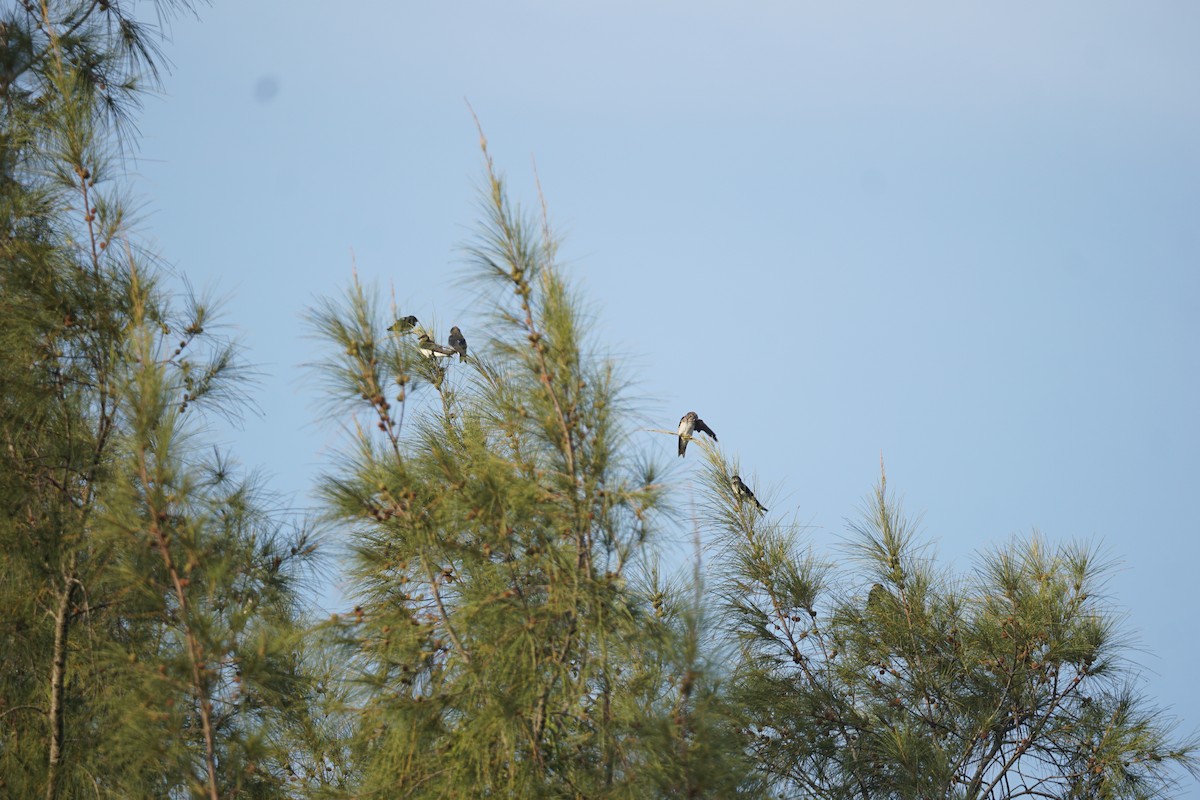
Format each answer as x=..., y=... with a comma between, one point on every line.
x=62, y=621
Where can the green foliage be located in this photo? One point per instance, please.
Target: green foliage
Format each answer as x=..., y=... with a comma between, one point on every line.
x=894, y=680
x=503, y=642
x=149, y=599
x=511, y=634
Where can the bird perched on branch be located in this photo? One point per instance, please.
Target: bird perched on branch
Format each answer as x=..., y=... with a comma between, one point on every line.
x=742, y=492
x=403, y=324
x=690, y=424
x=431, y=349
x=459, y=343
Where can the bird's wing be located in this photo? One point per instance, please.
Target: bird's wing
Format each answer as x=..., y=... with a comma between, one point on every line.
x=700, y=426
x=436, y=349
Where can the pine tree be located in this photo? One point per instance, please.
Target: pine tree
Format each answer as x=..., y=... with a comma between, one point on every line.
x=507, y=638
x=885, y=677
x=510, y=632
x=149, y=608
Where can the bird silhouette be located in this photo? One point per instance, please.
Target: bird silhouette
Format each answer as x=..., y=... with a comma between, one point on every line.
x=742, y=492
x=459, y=343
x=431, y=349
x=689, y=424
x=403, y=324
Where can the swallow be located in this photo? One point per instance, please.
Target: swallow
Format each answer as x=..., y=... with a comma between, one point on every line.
x=431, y=349
x=459, y=343
x=403, y=324
x=687, y=426
x=742, y=492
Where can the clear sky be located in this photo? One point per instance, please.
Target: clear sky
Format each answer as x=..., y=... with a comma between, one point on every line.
x=964, y=235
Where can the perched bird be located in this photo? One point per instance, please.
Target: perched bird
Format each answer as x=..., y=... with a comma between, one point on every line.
x=403, y=324
x=742, y=492
x=431, y=349
x=459, y=343
x=691, y=423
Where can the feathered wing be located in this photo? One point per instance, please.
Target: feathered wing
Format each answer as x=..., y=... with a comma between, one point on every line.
x=403, y=324
x=431, y=349
x=686, y=425
x=458, y=342
x=700, y=426
x=742, y=492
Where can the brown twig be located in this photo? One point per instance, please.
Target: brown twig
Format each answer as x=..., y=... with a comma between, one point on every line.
x=195, y=651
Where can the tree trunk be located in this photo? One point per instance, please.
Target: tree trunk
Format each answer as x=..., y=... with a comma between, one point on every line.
x=58, y=670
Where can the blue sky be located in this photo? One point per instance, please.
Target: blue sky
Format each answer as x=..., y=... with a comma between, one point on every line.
x=966, y=236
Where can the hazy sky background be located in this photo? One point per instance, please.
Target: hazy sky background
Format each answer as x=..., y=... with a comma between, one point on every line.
x=966, y=236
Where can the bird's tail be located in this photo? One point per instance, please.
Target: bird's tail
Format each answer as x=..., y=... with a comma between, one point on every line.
x=682, y=445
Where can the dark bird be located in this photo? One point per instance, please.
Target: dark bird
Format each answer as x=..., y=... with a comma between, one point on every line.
x=742, y=492
x=403, y=325
x=459, y=343
x=690, y=424
x=431, y=349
